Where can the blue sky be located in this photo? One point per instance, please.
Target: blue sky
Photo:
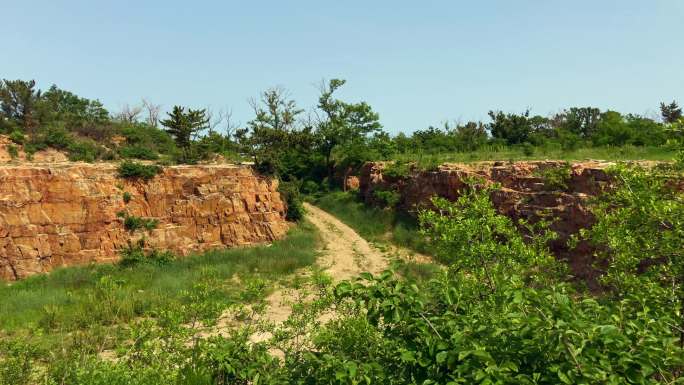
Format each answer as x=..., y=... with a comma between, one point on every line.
x=417, y=63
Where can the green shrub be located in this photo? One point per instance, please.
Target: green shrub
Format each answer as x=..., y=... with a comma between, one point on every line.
x=13, y=151
x=58, y=138
x=528, y=149
x=289, y=192
x=136, y=255
x=145, y=136
x=138, y=152
x=132, y=223
x=84, y=151
x=17, y=137
x=129, y=169
x=17, y=361
x=127, y=197
x=397, y=170
x=310, y=187
x=388, y=198
x=555, y=178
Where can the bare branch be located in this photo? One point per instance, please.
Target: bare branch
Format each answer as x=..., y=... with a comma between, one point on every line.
x=129, y=114
x=153, y=111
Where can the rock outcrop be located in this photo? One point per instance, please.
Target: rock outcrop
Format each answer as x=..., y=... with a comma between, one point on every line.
x=524, y=193
x=69, y=214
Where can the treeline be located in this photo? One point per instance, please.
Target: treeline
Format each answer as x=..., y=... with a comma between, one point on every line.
x=287, y=140
x=570, y=129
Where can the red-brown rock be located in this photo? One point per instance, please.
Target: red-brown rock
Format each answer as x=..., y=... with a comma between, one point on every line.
x=60, y=215
x=523, y=195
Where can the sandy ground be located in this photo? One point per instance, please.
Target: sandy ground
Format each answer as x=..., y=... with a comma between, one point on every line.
x=344, y=255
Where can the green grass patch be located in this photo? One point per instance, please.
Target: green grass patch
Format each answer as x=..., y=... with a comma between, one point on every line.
x=491, y=153
x=82, y=298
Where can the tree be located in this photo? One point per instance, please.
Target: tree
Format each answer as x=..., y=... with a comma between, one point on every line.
x=471, y=136
x=342, y=122
x=152, y=112
x=612, y=130
x=80, y=115
x=18, y=100
x=670, y=112
x=514, y=129
x=183, y=126
x=269, y=134
x=582, y=121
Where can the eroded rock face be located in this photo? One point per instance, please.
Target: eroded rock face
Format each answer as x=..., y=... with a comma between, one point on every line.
x=523, y=194
x=60, y=215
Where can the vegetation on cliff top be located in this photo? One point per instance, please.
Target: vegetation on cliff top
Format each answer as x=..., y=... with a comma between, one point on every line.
x=334, y=135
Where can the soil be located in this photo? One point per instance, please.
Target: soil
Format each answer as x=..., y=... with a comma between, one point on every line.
x=344, y=254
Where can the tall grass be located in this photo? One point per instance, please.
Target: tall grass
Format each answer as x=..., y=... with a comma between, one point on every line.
x=81, y=297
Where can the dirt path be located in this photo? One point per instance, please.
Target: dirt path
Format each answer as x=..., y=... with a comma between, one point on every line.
x=344, y=255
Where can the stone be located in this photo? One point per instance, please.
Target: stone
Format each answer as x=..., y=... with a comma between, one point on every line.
x=523, y=195
x=65, y=214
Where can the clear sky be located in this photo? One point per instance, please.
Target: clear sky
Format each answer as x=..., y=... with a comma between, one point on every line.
x=416, y=62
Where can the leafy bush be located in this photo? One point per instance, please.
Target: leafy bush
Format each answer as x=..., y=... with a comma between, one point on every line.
x=555, y=178
x=640, y=229
x=397, y=170
x=388, y=198
x=84, y=150
x=56, y=137
x=13, y=151
x=128, y=169
x=145, y=136
x=132, y=223
x=289, y=192
x=138, y=152
x=310, y=187
x=527, y=149
x=504, y=312
x=16, y=362
x=134, y=256
x=17, y=137
x=127, y=197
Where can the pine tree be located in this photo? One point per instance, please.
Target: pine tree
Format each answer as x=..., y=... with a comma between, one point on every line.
x=183, y=126
x=670, y=112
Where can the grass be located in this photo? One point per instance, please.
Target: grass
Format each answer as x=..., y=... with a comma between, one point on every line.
x=542, y=153
x=52, y=305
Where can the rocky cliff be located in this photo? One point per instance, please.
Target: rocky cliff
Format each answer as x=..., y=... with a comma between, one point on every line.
x=526, y=192
x=68, y=214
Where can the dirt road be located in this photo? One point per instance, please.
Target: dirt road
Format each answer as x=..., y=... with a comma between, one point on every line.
x=344, y=255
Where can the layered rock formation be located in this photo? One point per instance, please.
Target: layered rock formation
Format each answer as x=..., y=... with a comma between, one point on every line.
x=59, y=215
x=524, y=194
